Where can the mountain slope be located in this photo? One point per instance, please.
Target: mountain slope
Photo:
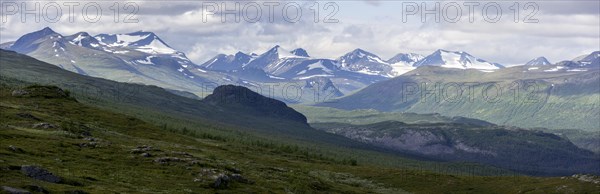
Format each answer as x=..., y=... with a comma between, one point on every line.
x=131, y=98
x=402, y=63
x=590, y=61
x=529, y=98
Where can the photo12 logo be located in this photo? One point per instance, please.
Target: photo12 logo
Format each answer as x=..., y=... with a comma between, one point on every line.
x=269, y=11
x=69, y=11
x=212, y=11
x=453, y=12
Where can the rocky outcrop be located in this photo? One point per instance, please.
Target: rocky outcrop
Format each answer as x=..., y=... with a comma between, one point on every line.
x=41, y=91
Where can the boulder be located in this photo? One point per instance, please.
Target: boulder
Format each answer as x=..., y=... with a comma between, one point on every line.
x=146, y=155
x=76, y=192
x=44, y=126
x=14, y=190
x=28, y=116
x=143, y=149
x=239, y=178
x=19, y=93
x=15, y=149
x=39, y=173
x=165, y=160
x=221, y=181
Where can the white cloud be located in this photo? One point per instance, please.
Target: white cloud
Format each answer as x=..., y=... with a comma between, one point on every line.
x=561, y=33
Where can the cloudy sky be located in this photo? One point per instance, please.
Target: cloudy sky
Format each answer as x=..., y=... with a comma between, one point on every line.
x=558, y=30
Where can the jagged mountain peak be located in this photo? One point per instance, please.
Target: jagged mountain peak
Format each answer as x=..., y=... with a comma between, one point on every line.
x=29, y=42
x=365, y=62
x=538, y=61
x=408, y=58
x=223, y=62
x=240, y=53
x=142, y=33
x=47, y=30
x=300, y=52
x=85, y=34
x=360, y=53
x=280, y=52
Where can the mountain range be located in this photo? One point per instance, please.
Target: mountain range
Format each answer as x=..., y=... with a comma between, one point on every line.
x=143, y=57
x=560, y=96
x=293, y=76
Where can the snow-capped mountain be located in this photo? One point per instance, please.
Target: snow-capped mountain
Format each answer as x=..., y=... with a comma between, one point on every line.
x=140, y=57
x=305, y=69
x=31, y=41
x=141, y=41
x=365, y=62
x=538, y=62
x=281, y=65
x=83, y=39
x=456, y=59
x=224, y=62
x=590, y=61
x=404, y=62
x=275, y=58
x=409, y=58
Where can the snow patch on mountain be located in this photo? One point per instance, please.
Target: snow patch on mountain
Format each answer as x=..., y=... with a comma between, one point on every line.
x=456, y=59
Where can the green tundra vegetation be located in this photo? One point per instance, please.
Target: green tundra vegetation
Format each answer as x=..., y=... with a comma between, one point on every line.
x=98, y=151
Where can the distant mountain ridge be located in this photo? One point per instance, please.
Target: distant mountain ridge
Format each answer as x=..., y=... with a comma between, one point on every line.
x=572, y=84
x=143, y=57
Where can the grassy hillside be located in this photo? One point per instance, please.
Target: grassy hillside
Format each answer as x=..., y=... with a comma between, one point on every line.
x=97, y=151
x=317, y=114
x=154, y=104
